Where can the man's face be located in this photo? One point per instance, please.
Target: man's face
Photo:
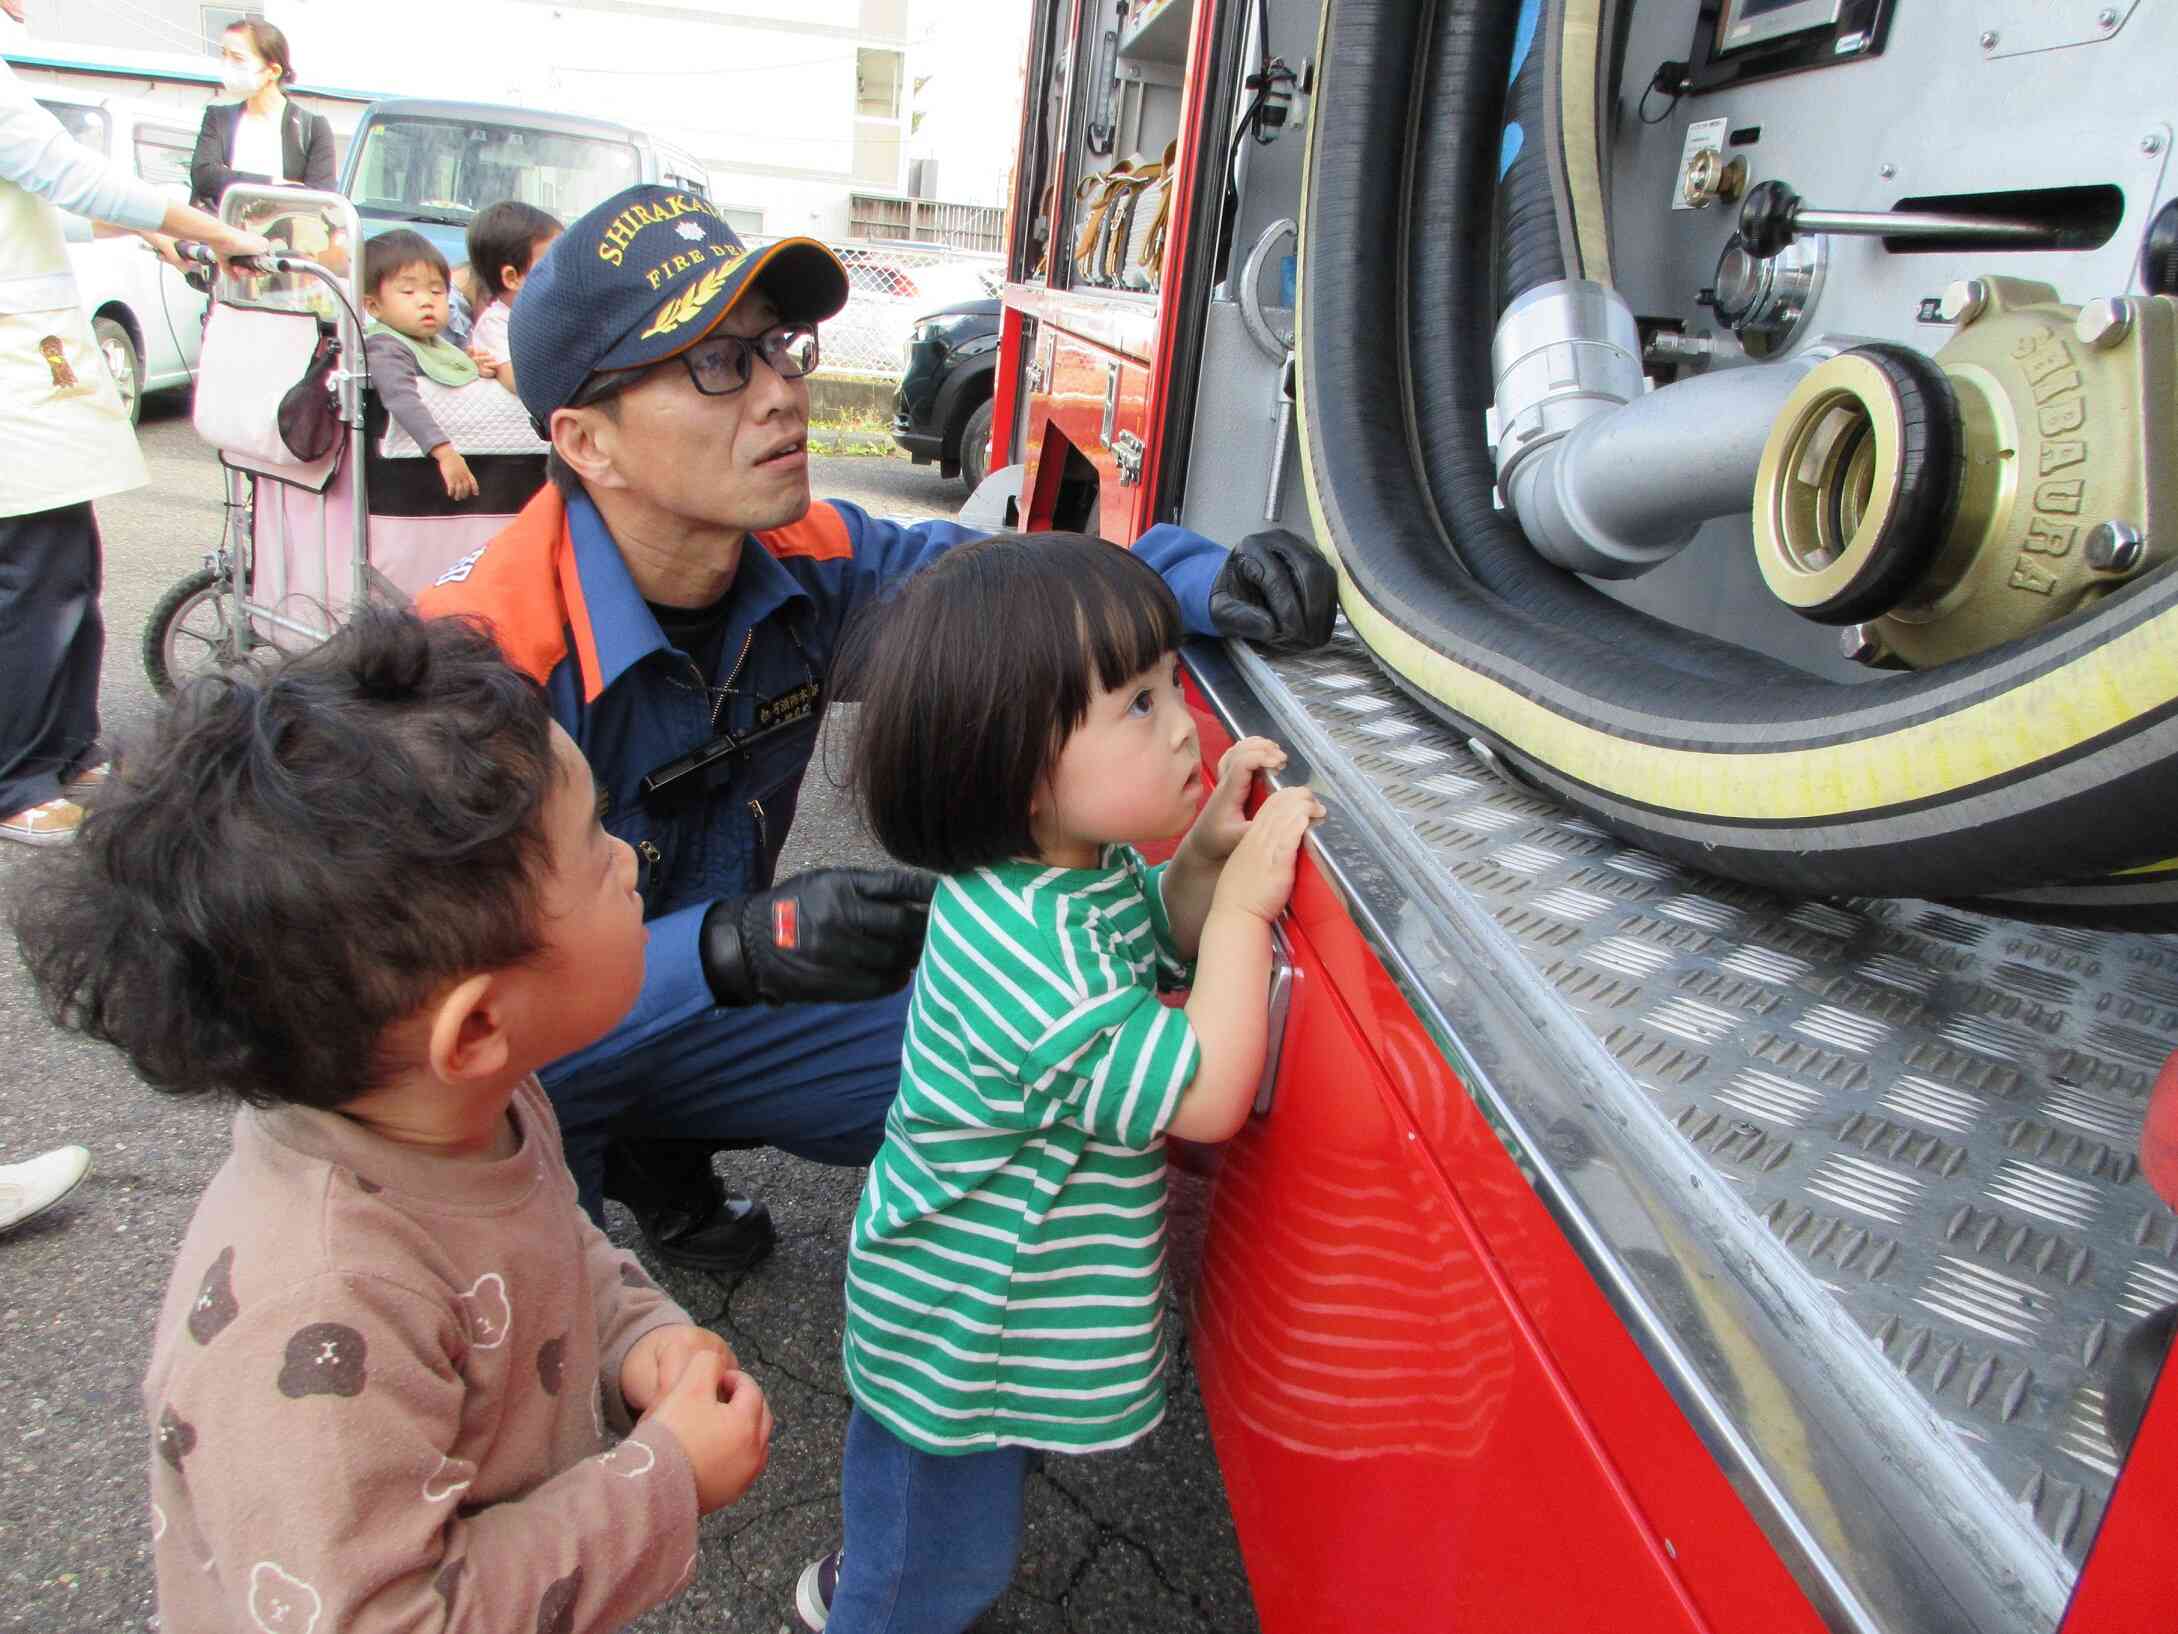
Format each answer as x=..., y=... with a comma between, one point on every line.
x=737, y=461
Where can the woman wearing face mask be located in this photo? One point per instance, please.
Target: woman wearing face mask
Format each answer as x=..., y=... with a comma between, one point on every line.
x=263, y=137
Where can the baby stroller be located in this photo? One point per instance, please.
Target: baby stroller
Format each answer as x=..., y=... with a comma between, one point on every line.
x=328, y=504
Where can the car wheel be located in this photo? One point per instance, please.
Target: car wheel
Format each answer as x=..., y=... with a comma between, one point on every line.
x=123, y=361
x=975, y=444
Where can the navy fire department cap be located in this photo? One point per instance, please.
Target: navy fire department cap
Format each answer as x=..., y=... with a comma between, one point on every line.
x=642, y=277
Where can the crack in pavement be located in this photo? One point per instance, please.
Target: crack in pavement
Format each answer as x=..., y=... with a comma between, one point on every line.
x=1109, y=1533
x=733, y=1325
x=770, y=1512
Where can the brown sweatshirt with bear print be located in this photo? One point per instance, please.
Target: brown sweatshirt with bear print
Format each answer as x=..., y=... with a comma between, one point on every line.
x=379, y=1396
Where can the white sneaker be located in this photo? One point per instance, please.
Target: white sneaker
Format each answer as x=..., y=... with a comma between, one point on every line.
x=813, y=1592
x=35, y=1185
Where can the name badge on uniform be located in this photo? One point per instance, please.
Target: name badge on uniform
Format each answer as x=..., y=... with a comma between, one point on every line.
x=708, y=769
x=795, y=704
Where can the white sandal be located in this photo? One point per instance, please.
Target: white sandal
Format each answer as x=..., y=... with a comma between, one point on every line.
x=54, y=823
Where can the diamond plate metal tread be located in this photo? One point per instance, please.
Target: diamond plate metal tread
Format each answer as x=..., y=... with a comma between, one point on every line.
x=1937, y=1111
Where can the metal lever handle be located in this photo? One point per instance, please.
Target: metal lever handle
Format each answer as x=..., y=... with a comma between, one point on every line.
x=1284, y=976
x=1774, y=215
x=1273, y=343
x=1285, y=435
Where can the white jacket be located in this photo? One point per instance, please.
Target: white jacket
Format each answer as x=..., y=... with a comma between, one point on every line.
x=64, y=434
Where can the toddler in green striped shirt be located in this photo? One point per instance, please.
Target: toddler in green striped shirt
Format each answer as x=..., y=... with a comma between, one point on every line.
x=1023, y=728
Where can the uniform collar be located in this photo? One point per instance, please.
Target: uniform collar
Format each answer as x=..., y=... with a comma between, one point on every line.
x=621, y=629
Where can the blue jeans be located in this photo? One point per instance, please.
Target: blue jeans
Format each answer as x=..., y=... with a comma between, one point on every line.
x=930, y=1542
x=812, y=1079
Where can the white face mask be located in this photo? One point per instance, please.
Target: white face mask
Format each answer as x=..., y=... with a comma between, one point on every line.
x=241, y=81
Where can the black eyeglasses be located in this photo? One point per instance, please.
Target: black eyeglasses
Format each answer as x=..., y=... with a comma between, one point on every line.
x=719, y=364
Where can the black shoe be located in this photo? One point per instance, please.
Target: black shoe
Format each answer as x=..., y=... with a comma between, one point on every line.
x=685, y=1213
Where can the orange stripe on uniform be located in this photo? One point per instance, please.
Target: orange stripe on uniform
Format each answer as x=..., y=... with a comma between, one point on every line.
x=821, y=535
x=513, y=585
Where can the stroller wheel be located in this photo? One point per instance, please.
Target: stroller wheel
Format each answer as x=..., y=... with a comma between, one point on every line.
x=190, y=631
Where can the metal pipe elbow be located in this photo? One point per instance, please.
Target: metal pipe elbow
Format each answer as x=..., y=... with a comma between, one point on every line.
x=1608, y=478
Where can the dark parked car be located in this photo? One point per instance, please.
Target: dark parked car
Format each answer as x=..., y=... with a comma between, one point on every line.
x=942, y=410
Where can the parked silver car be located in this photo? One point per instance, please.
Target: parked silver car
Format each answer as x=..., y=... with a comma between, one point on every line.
x=149, y=322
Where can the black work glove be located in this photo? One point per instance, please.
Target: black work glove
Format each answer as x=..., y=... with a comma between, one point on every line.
x=1276, y=590
x=832, y=933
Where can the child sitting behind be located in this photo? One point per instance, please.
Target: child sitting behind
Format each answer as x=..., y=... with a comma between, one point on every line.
x=505, y=240
x=405, y=295
x=1005, y=1280
x=366, y=896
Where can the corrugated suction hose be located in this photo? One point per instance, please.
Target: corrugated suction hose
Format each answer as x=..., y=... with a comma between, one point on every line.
x=2023, y=779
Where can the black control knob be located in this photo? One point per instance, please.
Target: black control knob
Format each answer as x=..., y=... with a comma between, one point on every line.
x=2159, y=252
x=1765, y=220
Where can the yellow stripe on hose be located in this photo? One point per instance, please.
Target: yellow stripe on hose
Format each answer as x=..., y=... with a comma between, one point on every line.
x=2048, y=716
x=1580, y=134
x=2098, y=691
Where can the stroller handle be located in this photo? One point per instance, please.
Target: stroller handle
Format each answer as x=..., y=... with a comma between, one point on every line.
x=205, y=256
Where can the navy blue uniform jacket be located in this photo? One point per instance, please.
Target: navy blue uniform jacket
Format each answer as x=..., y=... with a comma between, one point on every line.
x=565, y=610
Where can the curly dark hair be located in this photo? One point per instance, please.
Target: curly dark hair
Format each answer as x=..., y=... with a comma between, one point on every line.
x=297, y=859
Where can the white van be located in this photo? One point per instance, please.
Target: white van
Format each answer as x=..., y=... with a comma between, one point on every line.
x=149, y=322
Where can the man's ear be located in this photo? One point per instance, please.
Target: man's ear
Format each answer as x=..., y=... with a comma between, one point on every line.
x=583, y=437
x=510, y=278
x=468, y=1039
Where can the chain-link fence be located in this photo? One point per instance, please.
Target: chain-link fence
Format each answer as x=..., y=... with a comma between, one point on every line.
x=889, y=287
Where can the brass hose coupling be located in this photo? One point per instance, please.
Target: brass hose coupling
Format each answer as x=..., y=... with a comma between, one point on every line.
x=1940, y=506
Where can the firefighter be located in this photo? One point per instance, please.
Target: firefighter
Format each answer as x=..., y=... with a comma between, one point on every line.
x=683, y=604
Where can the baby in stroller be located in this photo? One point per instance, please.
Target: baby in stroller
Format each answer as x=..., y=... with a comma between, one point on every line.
x=325, y=513
x=405, y=282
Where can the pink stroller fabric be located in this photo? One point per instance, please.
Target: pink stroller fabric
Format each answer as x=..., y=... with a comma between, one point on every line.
x=304, y=561
x=302, y=556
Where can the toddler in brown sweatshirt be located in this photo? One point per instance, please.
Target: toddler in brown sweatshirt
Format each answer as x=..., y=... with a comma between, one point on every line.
x=367, y=896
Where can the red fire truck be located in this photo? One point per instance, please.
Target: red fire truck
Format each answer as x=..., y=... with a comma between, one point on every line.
x=1707, y=1179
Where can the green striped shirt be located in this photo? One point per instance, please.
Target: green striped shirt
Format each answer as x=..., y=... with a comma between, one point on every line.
x=1005, y=1282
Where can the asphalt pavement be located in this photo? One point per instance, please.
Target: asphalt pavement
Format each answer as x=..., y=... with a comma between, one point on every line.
x=1138, y=1542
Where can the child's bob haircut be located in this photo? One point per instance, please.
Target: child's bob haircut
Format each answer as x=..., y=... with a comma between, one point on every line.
x=505, y=235
x=298, y=859
x=389, y=252
x=975, y=675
